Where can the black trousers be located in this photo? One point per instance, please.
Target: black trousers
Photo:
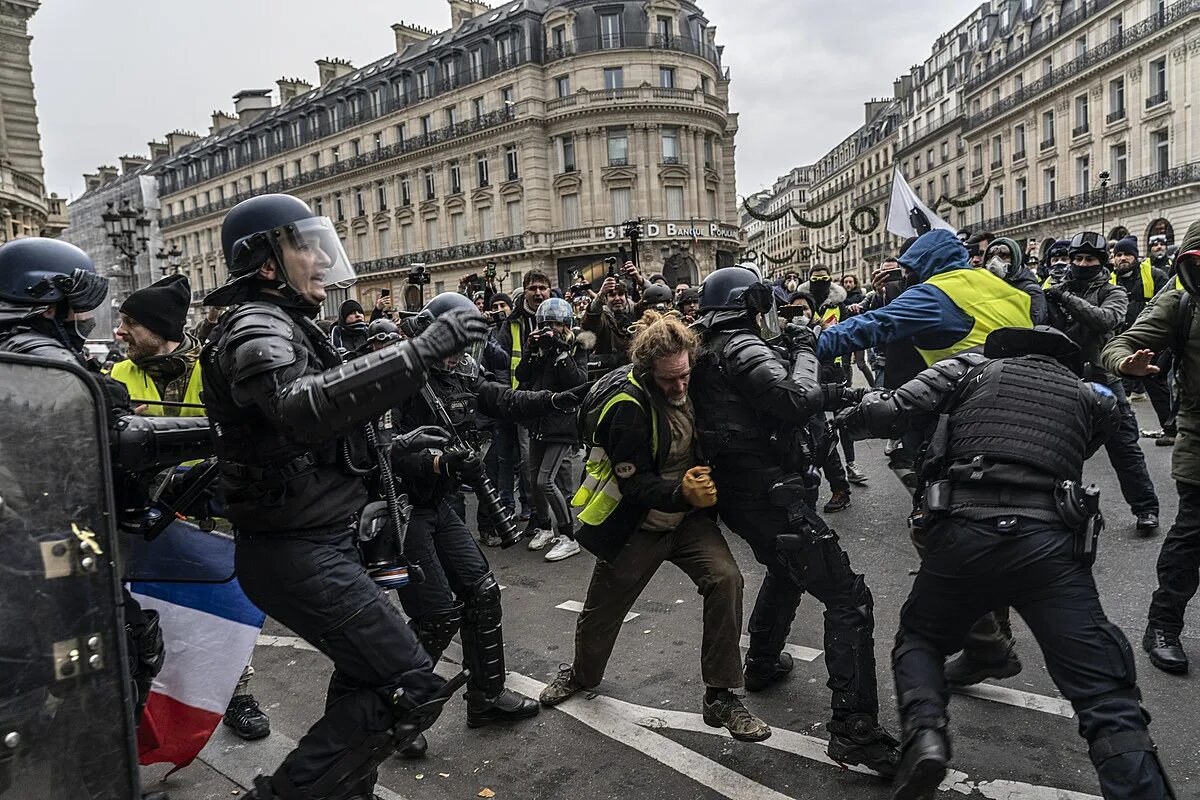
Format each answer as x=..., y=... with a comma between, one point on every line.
x=1127, y=458
x=820, y=568
x=1178, y=563
x=317, y=587
x=971, y=567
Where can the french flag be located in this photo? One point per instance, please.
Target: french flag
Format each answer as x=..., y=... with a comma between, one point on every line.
x=209, y=630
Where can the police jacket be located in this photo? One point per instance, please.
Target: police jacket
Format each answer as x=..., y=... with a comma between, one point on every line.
x=622, y=482
x=751, y=403
x=464, y=397
x=289, y=418
x=561, y=367
x=985, y=435
x=1088, y=312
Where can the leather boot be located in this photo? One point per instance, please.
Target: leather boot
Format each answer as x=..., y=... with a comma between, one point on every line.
x=504, y=707
x=923, y=765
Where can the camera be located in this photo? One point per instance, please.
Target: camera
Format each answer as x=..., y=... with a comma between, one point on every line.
x=631, y=229
x=489, y=272
x=612, y=266
x=418, y=275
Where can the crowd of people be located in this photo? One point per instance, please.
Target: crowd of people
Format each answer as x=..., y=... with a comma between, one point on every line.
x=634, y=419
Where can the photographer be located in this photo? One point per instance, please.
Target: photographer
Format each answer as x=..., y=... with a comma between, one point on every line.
x=609, y=317
x=556, y=361
x=350, y=331
x=657, y=297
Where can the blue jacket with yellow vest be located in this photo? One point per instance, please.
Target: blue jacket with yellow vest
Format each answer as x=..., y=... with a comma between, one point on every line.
x=952, y=309
x=621, y=483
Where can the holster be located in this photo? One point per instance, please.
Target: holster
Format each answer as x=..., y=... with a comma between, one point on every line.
x=791, y=494
x=1079, y=509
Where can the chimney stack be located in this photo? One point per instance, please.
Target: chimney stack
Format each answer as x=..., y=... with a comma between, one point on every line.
x=131, y=164
x=221, y=120
x=158, y=150
x=91, y=180
x=106, y=173
x=463, y=10
x=330, y=69
x=409, y=35
x=250, y=104
x=291, y=88
x=177, y=140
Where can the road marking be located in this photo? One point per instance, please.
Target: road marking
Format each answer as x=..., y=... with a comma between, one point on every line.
x=577, y=607
x=241, y=761
x=1015, y=697
x=294, y=642
x=798, y=651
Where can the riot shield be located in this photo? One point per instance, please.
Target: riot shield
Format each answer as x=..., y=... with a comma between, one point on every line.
x=66, y=718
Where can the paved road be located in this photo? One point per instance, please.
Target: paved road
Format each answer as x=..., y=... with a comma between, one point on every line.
x=642, y=736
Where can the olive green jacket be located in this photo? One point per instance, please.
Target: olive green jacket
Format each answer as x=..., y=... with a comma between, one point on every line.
x=1155, y=329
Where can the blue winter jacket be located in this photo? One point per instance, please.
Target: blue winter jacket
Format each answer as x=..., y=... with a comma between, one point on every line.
x=921, y=312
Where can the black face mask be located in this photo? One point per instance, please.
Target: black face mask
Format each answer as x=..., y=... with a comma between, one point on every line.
x=819, y=288
x=1085, y=274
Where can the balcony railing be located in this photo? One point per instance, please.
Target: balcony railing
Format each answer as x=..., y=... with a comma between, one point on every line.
x=653, y=41
x=1079, y=130
x=1019, y=155
x=1100, y=54
x=670, y=160
x=639, y=93
x=1115, y=116
x=1048, y=34
x=919, y=132
x=1046, y=144
x=997, y=163
x=1156, y=100
x=409, y=145
x=618, y=162
x=1138, y=187
x=977, y=172
x=458, y=252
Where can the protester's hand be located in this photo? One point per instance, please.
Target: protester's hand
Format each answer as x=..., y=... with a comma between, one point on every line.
x=855, y=308
x=878, y=279
x=1054, y=293
x=1138, y=365
x=609, y=285
x=698, y=487
x=631, y=271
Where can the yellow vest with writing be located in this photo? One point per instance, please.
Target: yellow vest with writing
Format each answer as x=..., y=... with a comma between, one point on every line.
x=599, y=494
x=989, y=301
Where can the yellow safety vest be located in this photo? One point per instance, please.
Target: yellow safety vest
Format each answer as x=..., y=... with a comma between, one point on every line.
x=514, y=327
x=1147, y=279
x=832, y=316
x=989, y=301
x=141, y=387
x=599, y=494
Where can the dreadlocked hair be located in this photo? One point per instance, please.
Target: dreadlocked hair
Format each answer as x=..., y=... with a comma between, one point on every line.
x=658, y=336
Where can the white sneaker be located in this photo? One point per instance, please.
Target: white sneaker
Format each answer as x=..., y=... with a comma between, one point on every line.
x=563, y=548
x=541, y=538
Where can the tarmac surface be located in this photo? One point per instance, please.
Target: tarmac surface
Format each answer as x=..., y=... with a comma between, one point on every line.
x=641, y=735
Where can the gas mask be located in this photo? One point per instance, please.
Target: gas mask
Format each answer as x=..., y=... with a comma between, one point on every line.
x=997, y=266
x=791, y=284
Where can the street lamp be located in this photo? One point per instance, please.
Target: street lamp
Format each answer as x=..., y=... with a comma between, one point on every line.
x=128, y=232
x=168, y=260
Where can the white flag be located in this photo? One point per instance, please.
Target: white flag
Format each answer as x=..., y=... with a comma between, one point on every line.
x=907, y=215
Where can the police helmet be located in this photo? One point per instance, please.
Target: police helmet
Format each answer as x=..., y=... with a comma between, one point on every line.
x=1039, y=340
x=657, y=294
x=725, y=290
x=1061, y=248
x=554, y=309
x=448, y=303
x=383, y=331
x=262, y=228
x=36, y=273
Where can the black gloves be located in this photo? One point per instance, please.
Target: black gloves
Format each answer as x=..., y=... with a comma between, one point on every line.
x=422, y=438
x=836, y=395
x=462, y=465
x=800, y=337
x=449, y=334
x=570, y=399
x=1054, y=293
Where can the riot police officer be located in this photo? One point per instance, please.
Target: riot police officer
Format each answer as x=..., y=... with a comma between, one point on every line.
x=459, y=590
x=1005, y=522
x=292, y=448
x=752, y=405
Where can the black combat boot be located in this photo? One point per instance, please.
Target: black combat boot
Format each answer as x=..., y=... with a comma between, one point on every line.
x=859, y=739
x=762, y=672
x=923, y=765
x=963, y=670
x=504, y=707
x=414, y=749
x=246, y=718
x=1166, y=651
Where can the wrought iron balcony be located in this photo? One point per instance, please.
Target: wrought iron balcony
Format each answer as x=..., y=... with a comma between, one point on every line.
x=1047, y=143
x=1138, y=187
x=997, y=163
x=1103, y=53
x=1115, y=116
x=1019, y=155
x=671, y=160
x=409, y=145
x=458, y=252
x=646, y=39
x=618, y=162
x=1156, y=100
x=1079, y=130
x=977, y=172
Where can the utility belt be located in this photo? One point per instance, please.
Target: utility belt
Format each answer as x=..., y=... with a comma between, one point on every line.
x=1075, y=506
x=271, y=478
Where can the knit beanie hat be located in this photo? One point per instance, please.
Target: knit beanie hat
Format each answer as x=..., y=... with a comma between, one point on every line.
x=1128, y=245
x=161, y=307
x=349, y=307
x=501, y=297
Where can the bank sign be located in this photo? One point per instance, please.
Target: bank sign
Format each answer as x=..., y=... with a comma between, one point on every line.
x=676, y=230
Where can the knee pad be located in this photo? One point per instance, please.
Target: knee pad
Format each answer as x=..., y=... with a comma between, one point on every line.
x=482, y=603
x=1119, y=743
x=437, y=629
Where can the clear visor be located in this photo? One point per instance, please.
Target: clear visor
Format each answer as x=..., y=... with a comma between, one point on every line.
x=768, y=324
x=465, y=363
x=312, y=255
x=100, y=323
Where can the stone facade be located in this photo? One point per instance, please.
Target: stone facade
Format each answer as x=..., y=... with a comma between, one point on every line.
x=523, y=137
x=25, y=210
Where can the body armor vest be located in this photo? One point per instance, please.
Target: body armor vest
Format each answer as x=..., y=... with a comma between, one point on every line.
x=1030, y=411
x=731, y=432
x=272, y=484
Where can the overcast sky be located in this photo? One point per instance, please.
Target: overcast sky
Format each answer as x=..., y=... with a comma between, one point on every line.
x=113, y=74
